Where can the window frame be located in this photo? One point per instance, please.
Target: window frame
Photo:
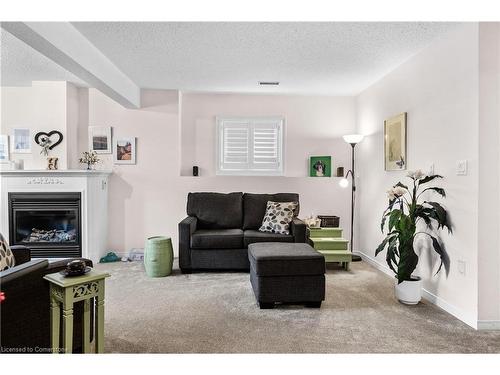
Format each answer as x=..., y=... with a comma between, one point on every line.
x=252, y=120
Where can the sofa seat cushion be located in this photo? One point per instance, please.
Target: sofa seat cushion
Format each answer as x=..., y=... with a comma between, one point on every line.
x=216, y=210
x=285, y=259
x=217, y=239
x=253, y=236
x=254, y=207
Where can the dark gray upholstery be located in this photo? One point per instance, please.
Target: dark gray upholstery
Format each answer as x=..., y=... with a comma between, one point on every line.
x=216, y=210
x=287, y=273
x=217, y=239
x=277, y=259
x=254, y=207
x=212, y=236
x=254, y=236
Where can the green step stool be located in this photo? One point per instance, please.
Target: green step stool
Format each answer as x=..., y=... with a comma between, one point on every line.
x=330, y=243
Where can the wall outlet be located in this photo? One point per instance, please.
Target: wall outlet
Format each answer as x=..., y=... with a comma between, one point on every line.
x=461, y=167
x=461, y=267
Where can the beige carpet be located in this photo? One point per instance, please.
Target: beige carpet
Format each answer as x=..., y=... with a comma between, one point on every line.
x=217, y=313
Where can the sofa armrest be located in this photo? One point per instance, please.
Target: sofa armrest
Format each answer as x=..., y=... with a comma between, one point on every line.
x=298, y=230
x=22, y=254
x=186, y=229
x=17, y=273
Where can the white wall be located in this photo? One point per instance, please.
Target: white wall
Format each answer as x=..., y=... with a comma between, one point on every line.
x=149, y=198
x=489, y=176
x=45, y=106
x=438, y=88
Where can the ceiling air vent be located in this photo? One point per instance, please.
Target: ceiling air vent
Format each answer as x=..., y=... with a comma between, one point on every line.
x=269, y=83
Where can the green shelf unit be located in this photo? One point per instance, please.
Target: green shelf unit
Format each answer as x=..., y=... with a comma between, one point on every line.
x=330, y=243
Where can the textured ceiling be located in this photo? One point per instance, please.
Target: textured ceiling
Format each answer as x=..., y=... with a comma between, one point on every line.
x=307, y=58
x=20, y=64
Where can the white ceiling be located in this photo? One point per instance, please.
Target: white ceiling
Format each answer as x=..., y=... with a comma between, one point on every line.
x=20, y=64
x=334, y=58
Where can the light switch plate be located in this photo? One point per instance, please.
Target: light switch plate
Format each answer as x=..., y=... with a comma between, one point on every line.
x=461, y=267
x=461, y=167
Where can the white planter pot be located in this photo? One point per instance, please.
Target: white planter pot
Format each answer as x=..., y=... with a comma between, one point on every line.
x=409, y=292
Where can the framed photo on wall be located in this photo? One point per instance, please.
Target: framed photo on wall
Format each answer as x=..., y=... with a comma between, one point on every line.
x=21, y=141
x=320, y=166
x=100, y=139
x=395, y=143
x=4, y=148
x=124, y=150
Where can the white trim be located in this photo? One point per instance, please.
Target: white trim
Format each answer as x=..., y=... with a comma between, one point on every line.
x=488, y=325
x=432, y=298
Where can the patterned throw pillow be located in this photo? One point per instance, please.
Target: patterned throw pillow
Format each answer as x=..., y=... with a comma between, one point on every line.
x=6, y=257
x=278, y=217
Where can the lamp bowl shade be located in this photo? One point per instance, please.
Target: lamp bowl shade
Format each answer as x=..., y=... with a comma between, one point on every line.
x=353, y=138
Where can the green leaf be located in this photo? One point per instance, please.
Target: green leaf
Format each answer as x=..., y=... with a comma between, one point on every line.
x=438, y=190
x=401, y=185
x=392, y=252
x=439, y=250
x=429, y=178
x=440, y=215
x=393, y=218
x=382, y=245
x=408, y=260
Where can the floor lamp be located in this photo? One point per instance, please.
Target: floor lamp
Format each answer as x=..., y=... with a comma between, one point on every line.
x=353, y=140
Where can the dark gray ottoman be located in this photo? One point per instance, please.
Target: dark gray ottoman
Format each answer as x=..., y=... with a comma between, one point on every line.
x=287, y=273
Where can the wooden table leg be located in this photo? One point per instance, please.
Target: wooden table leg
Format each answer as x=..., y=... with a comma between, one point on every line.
x=86, y=326
x=68, y=329
x=99, y=316
x=55, y=316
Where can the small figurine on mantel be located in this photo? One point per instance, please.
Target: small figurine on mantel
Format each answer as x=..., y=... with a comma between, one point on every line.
x=90, y=158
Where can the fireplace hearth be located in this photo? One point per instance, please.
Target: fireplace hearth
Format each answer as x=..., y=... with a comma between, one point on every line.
x=48, y=223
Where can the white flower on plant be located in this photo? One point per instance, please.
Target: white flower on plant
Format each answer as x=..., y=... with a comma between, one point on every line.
x=395, y=192
x=416, y=175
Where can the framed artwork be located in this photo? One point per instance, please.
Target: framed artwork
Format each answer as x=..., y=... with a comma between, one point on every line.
x=395, y=143
x=320, y=166
x=100, y=139
x=124, y=150
x=4, y=148
x=21, y=141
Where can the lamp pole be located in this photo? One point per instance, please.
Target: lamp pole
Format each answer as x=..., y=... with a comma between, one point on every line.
x=353, y=140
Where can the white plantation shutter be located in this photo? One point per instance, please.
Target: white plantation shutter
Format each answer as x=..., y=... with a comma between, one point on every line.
x=250, y=146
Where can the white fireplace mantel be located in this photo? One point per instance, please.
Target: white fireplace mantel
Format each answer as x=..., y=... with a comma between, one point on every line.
x=93, y=186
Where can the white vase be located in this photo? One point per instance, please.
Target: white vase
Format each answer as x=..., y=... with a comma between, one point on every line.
x=409, y=292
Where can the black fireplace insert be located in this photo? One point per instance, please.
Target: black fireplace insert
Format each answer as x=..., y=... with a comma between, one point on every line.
x=48, y=223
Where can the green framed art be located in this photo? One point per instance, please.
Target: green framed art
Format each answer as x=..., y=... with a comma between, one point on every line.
x=320, y=166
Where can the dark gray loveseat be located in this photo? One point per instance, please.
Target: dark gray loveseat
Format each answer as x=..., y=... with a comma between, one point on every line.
x=219, y=228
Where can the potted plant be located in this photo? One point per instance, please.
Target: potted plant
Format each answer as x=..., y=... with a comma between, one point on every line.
x=90, y=158
x=407, y=211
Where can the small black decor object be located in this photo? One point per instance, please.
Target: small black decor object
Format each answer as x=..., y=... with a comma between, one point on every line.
x=340, y=172
x=76, y=268
x=44, y=140
x=329, y=221
x=195, y=170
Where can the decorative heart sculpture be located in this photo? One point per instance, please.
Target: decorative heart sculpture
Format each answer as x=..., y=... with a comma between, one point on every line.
x=49, y=134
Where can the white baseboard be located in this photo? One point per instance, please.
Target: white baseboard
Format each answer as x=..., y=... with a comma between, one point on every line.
x=488, y=325
x=432, y=298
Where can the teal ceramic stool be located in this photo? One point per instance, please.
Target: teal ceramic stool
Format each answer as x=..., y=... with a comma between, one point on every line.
x=158, y=256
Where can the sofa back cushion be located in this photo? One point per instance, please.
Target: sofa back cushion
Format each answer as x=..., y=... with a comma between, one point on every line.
x=216, y=210
x=254, y=207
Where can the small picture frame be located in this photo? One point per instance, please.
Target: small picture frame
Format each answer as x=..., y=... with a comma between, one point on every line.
x=124, y=150
x=21, y=141
x=395, y=143
x=4, y=149
x=100, y=139
x=320, y=166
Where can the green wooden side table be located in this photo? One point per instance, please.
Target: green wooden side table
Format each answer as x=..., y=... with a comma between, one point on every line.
x=66, y=291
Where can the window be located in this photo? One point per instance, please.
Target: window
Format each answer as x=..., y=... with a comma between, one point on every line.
x=250, y=146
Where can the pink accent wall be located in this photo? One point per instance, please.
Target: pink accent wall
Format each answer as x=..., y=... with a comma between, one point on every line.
x=149, y=198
